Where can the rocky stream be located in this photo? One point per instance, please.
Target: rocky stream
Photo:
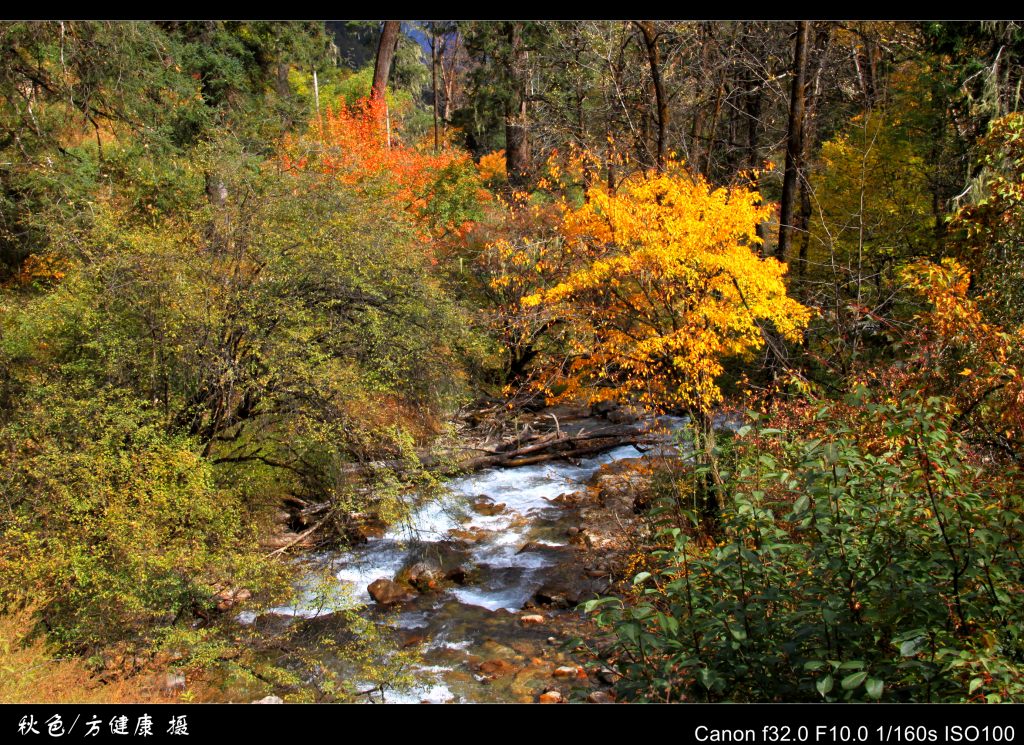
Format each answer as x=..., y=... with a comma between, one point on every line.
x=484, y=581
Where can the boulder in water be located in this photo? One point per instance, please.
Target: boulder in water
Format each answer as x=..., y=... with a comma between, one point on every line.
x=498, y=668
x=387, y=592
x=550, y=697
x=484, y=505
x=422, y=576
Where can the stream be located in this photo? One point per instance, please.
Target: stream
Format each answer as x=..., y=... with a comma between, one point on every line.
x=504, y=536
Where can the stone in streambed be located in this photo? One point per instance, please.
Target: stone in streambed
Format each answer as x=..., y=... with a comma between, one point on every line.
x=470, y=535
x=531, y=619
x=422, y=576
x=486, y=506
x=600, y=697
x=532, y=679
x=550, y=697
x=497, y=668
x=388, y=592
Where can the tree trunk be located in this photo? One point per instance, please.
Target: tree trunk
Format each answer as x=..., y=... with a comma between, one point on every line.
x=794, y=140
x=654, y=59
x=434, y=64
x=710, y=487
x=385, y=55
x=753, y=99
x=816, y=65
x=517, y=133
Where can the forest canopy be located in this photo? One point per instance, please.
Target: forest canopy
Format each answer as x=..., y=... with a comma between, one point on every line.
x=253, y=276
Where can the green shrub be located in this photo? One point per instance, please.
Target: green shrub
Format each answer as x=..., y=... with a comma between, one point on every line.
x=873, y=562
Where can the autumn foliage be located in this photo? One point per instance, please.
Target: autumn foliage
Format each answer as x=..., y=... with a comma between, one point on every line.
x=362, y=145
x=669, y=286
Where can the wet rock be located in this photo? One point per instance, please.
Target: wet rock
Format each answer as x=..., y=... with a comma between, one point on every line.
x=469, y=535
x=568, y=671
x=532, y=546
x=531, y=620
x=565, y=587
x=270, y=700
x=486, y=506
x=421, y=576
x=600, y=697
x=550, y=697
x=624, y=415
x=459, y=575
x=387, y=592
x=523, y=647
x=494, y=650
x=497, y=668
x=414, y=637
x=608, y=677
x=532, y=679
x=369, y=528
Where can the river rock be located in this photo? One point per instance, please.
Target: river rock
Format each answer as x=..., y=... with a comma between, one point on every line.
x=414, y=637
x=367, y=528
x=484, y=505
x=497, y=668
x=532, y=679
x=387, y=592
x=532, y=619
x=492, y=649
x=624, y=415
x=459, y=575
x=550, y=697
x=422, y=576
x=469, y=535
x=568, y=671
x=600, y=697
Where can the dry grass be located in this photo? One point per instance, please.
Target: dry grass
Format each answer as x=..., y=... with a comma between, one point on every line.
x=31, y=673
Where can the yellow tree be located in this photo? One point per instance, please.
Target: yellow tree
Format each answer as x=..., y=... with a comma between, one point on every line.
x=669, y=289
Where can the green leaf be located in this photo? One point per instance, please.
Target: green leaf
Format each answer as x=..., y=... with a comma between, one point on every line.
x=852, y=681
x=975, y=684
x=824, y=685
x=910, y=647
x=874, y=687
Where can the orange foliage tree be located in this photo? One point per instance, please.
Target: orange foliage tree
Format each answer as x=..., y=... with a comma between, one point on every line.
x=667, y=288
x=957, y=352
x=361, y=146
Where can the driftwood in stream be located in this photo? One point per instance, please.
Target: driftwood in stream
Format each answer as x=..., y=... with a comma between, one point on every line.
x=553, y=446
x=565, y=442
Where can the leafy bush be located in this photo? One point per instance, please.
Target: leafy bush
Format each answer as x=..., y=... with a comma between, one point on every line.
x=874, y=562
x=112, y=526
